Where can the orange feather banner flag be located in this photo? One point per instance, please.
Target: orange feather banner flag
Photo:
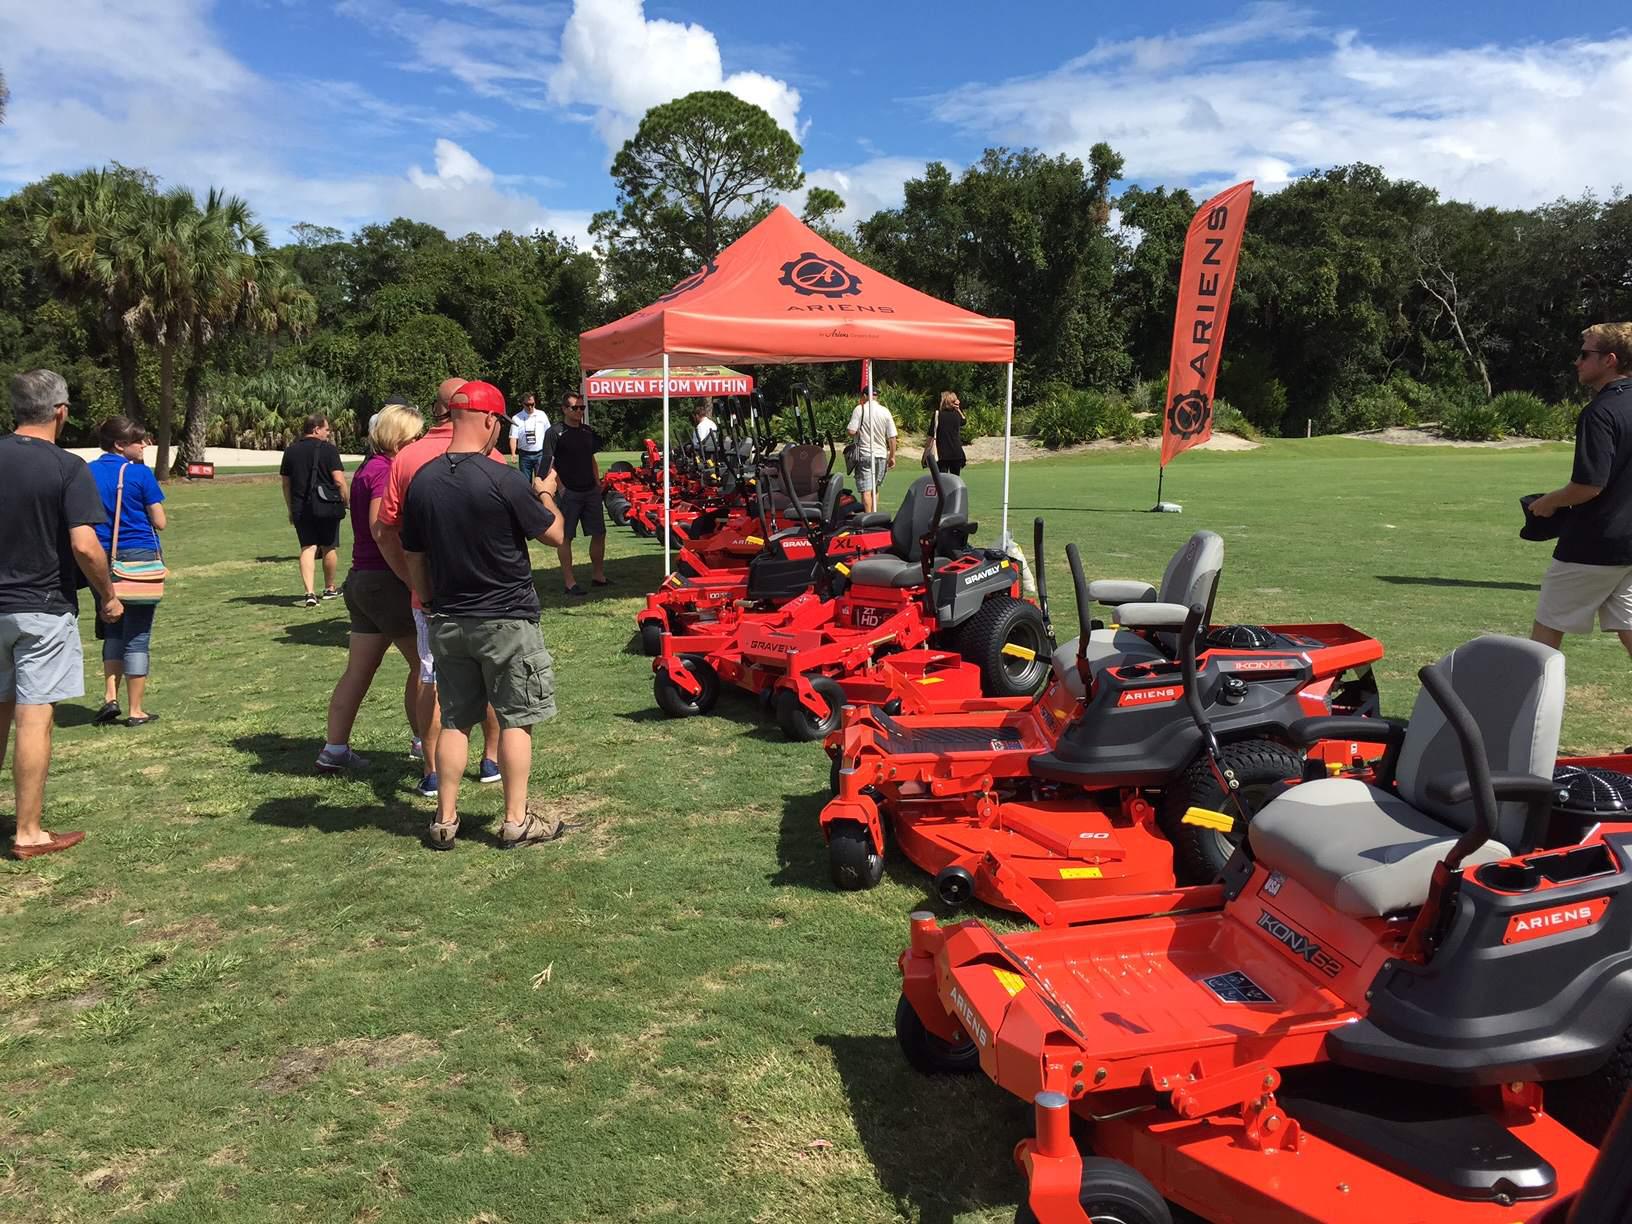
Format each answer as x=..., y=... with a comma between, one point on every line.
x=1212, y=248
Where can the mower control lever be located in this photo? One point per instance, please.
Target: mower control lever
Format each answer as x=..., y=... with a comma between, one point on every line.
x=1042, y=584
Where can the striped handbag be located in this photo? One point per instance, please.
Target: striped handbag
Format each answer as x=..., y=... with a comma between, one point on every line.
x=134, y=582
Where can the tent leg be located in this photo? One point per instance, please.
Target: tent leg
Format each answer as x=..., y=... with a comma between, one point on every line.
x=1008, y=440
x=667, y=466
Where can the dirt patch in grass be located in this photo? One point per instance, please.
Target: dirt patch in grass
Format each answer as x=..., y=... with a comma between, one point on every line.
x=1398, y=436
x=990, y=450
x=300, y=1067
x=200, y=932
x=505, y=1139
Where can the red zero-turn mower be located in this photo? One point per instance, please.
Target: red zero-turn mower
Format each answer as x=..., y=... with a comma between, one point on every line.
x=930, y=619
x=1408, y=1000
x=1035, y=805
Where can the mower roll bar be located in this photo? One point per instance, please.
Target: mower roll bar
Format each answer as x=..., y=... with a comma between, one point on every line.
x=802, y=391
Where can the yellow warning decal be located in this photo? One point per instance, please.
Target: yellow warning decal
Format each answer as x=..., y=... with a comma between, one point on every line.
x=1010, y=981
x=755, y=539
x=1015, y=650
x=930, y=679
x=1081, y=873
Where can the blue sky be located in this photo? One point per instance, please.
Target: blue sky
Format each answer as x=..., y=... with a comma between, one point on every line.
x=489, y=114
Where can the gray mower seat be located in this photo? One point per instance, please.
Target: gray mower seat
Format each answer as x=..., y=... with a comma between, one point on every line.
x=886, y=571
x=1191, y=577
x=1368, y=852
x=1065, y=668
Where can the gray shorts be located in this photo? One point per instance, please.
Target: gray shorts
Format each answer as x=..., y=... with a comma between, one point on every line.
x=870, y=473
x=379, y=603
x=1573, y=595
x=580, y=508
x=498, y=662
x=41, y=660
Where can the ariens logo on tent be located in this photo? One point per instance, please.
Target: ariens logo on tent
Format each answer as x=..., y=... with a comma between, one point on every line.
x=687, y=284
x=811, y=274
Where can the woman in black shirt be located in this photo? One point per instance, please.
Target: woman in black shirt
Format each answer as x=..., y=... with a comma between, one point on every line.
x=949, y=434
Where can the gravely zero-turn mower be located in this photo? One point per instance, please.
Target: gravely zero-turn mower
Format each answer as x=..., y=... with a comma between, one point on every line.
x=929, y=619
x=1408, y=999
x=1035, y=804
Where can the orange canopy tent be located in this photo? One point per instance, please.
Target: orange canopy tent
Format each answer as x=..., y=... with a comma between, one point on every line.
x=781, y=294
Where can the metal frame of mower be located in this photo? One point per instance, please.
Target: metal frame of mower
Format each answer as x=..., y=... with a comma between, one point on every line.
x=857, y=639
x=1251, y=1052
x=1032, y=805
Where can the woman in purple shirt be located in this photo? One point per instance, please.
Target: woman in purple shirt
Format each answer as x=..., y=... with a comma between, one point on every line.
x=379, y=604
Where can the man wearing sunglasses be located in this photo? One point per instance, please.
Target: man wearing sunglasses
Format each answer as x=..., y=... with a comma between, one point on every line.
x=1591, y=574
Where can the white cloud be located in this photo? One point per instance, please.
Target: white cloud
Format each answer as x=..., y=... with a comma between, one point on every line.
x=615, y=60
x=868, y=186
x=1269, y=94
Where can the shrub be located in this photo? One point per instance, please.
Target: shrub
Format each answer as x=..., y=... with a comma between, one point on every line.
x=1372, y=408
x=1473, y=422
x=1067, y=417
x=266, y=409
x=1228, y=419
x=1530, y=416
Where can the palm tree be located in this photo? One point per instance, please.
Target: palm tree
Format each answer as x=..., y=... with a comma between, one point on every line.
x=158, y=249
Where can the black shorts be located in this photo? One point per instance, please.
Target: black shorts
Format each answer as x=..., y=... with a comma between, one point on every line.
x=580, y=510
x=316, y=532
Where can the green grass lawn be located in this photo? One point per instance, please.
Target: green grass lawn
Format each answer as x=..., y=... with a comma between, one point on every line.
x=252, y=995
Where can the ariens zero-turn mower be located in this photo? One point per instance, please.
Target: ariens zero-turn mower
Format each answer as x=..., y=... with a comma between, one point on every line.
x=1408, y=999
x=1037, y=804
x=929, y=619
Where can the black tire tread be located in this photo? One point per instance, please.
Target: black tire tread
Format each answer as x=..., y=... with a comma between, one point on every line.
x=981, y=640
x=927, y=1053
x=1192, y=861
x=1109, y=1186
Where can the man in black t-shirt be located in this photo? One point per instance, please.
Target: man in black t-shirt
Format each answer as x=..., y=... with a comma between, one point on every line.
x=314, y=490
x=572, y=445
x=51, y=509
x=465, y=526
x=1591, y=574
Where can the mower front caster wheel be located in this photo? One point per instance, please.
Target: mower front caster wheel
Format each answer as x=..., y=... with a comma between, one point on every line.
x=800, y=724
x=954, y=886
x=856, y=865
x=651, y=639
x=1112, y=1193
x=677, y=703
x=928, y=1053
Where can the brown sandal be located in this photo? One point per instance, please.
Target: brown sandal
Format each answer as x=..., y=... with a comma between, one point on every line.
x=59, y=841
x=440, y=836
x=533, y=829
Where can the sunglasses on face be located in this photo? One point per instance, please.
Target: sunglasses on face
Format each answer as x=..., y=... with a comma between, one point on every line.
x=1585, y=353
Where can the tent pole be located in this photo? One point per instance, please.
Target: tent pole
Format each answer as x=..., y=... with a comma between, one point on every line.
x=666, y=466
x=1008, y=438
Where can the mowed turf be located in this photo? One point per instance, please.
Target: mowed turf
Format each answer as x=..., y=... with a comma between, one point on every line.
x=252, y=995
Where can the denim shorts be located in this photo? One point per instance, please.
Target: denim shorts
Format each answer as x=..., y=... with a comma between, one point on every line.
x=41, y=661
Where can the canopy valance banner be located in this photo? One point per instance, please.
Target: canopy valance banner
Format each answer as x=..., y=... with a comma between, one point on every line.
x=684, y=382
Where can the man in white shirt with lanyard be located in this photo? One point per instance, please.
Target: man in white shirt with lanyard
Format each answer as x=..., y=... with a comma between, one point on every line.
x=873, y=428
x=527, y=431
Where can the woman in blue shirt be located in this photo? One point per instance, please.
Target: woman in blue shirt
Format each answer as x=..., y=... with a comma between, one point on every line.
x=141, y=518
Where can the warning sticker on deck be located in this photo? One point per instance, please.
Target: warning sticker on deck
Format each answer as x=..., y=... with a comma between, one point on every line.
x=1010, y=981
x=1081, y=873
x=1237, y=987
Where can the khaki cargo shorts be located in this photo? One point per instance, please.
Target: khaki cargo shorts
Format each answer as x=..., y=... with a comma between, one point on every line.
x=502, y=662
x=1573, y=594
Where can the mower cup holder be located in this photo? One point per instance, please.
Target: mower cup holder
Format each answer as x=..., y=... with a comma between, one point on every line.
x=1540, y=871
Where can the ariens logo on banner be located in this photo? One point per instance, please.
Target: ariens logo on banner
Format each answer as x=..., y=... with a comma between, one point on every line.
x=812, y=275
x=1190, y=414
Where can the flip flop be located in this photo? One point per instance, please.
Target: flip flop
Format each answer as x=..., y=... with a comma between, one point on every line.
x=59, y=841
x=142, y=721
x=575, y=589
x=109, y=713
x=600, y=582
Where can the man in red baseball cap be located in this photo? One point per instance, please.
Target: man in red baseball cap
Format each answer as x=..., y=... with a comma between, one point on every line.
x=465, y=527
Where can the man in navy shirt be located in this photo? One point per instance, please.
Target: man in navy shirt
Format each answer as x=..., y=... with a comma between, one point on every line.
x=50, y=508
x=1591, y=574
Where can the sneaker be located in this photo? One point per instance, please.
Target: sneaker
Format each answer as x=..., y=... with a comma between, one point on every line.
x=416, y=749
x=426, y=789
x=109, y=713
x=440, y=836
x=489, y=771
x=310, y=600
x=335, y=762
x=330, y=593
x=531, y=830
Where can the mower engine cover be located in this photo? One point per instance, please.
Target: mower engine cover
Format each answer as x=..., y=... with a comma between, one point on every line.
x=963, y=584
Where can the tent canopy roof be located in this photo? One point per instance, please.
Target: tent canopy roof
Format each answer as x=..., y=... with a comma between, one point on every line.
x=782, y=294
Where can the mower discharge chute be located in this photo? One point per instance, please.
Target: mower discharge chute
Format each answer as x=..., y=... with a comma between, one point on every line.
x=1036, y=804
x=1408, y=999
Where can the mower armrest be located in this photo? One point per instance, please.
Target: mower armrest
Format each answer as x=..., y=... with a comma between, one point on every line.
x=873, y=518
x=1457, y=787
x=1149, y=615
x=1389, y=731
x=1114, y=591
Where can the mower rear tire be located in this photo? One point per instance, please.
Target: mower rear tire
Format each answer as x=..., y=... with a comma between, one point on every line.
x=856, y=865
x=927, y=1053
x=651, y=639
x=1587, y=1103
x=1112, y=1193
x=622, y=465
x=798, y=723
x=679, y=704
x=1007, y=641
x=1199, y=854
x=641, y=530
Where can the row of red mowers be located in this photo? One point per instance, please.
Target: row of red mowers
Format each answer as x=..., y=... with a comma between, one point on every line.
x=1292, y=961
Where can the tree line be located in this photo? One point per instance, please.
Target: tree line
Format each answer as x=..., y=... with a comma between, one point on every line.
x=1362, y=301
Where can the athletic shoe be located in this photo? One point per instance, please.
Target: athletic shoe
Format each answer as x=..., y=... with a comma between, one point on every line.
x=335, y=762
x=330, y=593
x=426, y=789
x=490, y=771
x=310, y=600
x=416, y=749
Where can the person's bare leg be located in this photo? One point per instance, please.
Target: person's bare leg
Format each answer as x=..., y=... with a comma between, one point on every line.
x=408, y=648
x=491, y=739
x=362, y=661
x=452, y=749
x=1547, y=635
x=30, y=762
x=597, y=557
x=331, y=563
x=516, y=762
x=136, y=689
x=430, y=724
x=563, y=553
x=1626, y=639
x=308, y=559
x=112, y=670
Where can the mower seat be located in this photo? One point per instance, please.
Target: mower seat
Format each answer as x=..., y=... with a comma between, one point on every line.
x=1065, y=668
x=1367, y=851
x=1191, y=577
